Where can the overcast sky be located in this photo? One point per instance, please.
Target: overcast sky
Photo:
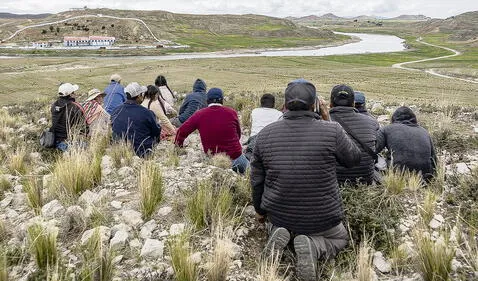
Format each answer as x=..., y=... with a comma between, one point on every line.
x=278, y=8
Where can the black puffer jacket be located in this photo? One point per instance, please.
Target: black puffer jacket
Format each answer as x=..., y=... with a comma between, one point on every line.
x=293, y=172
x=409, y=144
x=67, y=115
x=365, y=128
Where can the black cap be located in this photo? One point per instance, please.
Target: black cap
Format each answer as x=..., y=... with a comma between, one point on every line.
x=300, y=90
x=342, y=95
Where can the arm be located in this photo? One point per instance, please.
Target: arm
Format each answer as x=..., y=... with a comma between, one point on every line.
x=237, y=124
x=258, y=176
x=186, y=129
x=155, y=128
x=381, y=140
x=347, y=152
x=434, y=158
x=192, y=107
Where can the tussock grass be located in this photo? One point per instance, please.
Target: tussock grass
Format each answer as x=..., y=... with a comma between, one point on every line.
x=7, y=120
x=122, y=154
x=3, y=266
x=33, y=189
x=242, y=189
x=4, y=185
x=43, y=245
x=221, y=160
x=269, y=269
x=365, y=270
x=97, y=260
x=399, y=260
x=394, y=181
x=184, y=268
x=434, y=257
x=172, y=156
x=427, y=209
x=438, y=182
x=17, y=161
x=99, y=216
x=151, y=188
x=470, y=251
x=220, y=261
x=3, y=231
x=414, y=181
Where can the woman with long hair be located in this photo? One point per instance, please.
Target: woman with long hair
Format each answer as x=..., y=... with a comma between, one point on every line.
x=166, y=95
x=155, y=104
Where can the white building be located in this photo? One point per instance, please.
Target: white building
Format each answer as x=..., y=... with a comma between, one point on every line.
x=69, y=41
x=101, y=41
x=41, y=44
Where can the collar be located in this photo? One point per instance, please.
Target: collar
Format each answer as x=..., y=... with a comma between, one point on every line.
x=214, y=104
x=343, y=109
x=300, y=114
x=130, y=102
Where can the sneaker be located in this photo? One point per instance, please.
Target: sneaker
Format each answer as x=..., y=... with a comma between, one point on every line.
x=278, y=240
x=306, y=258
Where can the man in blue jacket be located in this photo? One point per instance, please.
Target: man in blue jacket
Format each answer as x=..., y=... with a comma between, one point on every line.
x=134, y=122
x=114, y=94
x=193, y=102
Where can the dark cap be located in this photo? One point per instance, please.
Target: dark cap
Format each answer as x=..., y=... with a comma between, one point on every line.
x=215, y=94
x=300, y=90
x=342, y=95
x=359, y=97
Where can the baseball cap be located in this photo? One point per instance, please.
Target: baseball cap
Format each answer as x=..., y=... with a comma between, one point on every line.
x=67, y=89
x=342, y=95
x=134, y=89
x=359, y=97
x=215, y=94
x=115, y=77
x=300, y=90
x=92, y=94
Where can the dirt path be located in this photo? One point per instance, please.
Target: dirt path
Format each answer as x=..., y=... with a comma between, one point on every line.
x=431, y=71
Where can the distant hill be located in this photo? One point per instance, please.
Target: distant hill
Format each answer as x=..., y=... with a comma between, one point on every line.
x=330, y=16
x=462, y=27
x=23, y=16
x=411, y=17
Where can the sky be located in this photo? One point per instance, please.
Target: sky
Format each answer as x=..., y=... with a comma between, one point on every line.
x=277, y=8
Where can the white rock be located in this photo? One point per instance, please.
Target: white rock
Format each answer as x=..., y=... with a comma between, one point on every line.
x=42, y=121
x=196, y=258
x=88, y=198
x=119, y=240
x=116, y=204
x=104, y=233
x=10, y=213
x=120, y=227
x=106, y=164
x=18, y=188
x=382, y=118
x=117, y=260
x=147, y=229
x=163, y=233
x=233, y=250
x=6, y=201
x=380, y=263
x=153, y=249
x=462, y=168
x=250, y=211
x=135, y=244
x=436, y=222
x=164, y=211
x=132, y=217
x=77, y=216
x=176, y=229
x=125, y=172
x=52, y=209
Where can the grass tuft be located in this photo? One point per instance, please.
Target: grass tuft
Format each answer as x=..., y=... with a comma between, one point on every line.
x=220, y=261
x=427, y=209
x=97, y=260
x=184, y=268
x=17, y=161
x=221, y=160
x=434, y=257
x=365, y=270
x=122, y=154
x=42, y=240
x=269, y=269
x=394, y=181
x=33, y=189
x=151, y=189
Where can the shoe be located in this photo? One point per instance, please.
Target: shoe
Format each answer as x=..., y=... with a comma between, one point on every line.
x=306, y=258
x=278, y=240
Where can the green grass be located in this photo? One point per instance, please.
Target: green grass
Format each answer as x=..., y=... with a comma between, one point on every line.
x=33, y=189
x=180, y=249
x=43, y=244
x=150, y=183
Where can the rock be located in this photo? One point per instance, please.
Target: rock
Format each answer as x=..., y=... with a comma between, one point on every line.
x=176, y=229
x=106, y=164
x=195, y=258
x=164, y=211
x=19, y=200
x=380, y=263
x=233, y=250
x=6, y=201
x=119, y=240
x=147, y=229
x=104, y=233
x=18, y=188
x=77, y=217
x=135, y=244
x=163, y=233
x=88, y=198
x=52, y=209
x=250, y=211
x=42, y=121
x=126, y=172
x=152, y=249
x=462, y=168
x=132, y=218
x=11, y=214
x=46, y=180
x=116, y=204
x=382, y=118
x=116, y=260
x=436, y=222
x=377, y=108
x=120, y=227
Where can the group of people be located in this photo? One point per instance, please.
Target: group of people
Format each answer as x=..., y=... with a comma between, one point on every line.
x=298, y=156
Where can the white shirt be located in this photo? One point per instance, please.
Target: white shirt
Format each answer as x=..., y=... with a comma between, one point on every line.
x=262, y=117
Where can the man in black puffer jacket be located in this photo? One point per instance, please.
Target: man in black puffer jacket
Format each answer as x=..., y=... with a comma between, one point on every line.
x=294, y=180
x=409, y=144
x=363, y=127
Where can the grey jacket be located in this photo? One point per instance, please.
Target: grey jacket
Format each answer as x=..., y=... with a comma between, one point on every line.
x=365, y=128
x=293, y=173
x=409, y=144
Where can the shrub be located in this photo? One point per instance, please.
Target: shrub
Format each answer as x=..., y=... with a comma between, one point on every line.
x=42, y=240
x=151, y=189
x=184, y=268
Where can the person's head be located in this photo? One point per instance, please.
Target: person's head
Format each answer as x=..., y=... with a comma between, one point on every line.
x=215, y=95
x=135, y=92
x=160, y=81
x=199, y=86
x=97, y=95
x=268, y=100
x=152, y=92
x=67, y=89
x=342, y=95
x=359, y=99
x=404, y=114
x=115, y=78
x=300, y=95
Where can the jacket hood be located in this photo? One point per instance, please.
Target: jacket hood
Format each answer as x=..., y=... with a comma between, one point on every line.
x=199, y=86
x=404, y=115
x=63, y=101
x=300, y=114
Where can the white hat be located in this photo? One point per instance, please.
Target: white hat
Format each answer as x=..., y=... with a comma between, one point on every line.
x=67, y=89
x=92, y=94
x=115, y=77
x=134, y=89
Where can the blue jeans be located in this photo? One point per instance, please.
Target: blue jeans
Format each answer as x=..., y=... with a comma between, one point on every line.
x=240, y=164
x=62, y=146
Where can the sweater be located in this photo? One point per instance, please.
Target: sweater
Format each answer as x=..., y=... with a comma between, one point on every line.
x=167, y=129
x=262, y=117
x=115, y=96
x=293, y=174
x=219, y=130
x=67, y=117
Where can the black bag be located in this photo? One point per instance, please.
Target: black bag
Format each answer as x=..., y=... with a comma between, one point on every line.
x=47, y=139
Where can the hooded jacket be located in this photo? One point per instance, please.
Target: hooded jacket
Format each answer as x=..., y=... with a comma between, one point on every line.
x=67, y=116
x=365, y=128
x=293, y=173
x=409, y=144
x=194, y=101
x=115, y=96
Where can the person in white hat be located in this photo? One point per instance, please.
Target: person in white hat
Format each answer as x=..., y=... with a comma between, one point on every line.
x=134, y=123
x=67, y=116
x=96, y=117
x=115, y=95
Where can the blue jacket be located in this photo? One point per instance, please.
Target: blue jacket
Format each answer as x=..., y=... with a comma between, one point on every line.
x=115, y=96
x=194, y=101
x=137, y=124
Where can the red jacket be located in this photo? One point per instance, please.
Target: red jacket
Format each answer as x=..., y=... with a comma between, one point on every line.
x=219, y=130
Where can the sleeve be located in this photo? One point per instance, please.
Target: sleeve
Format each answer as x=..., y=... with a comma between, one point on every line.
x=258, y=176
x=78, y=119
x=163, y=119
x=381, y=140
x=347, y=152
x=186, y=129
x=237, y=124
x=170, y=108
x=155, y=128
x=434, y=158
x=192, y=107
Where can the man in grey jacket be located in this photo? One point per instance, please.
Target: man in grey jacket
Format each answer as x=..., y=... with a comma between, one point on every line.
x=294, y=180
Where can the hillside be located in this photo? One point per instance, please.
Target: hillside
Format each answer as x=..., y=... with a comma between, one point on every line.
x=198, y=31
x=462, y=27
x=23, y=16
x=411, y=17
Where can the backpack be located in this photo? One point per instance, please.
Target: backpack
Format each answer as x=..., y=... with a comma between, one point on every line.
x=47, y=139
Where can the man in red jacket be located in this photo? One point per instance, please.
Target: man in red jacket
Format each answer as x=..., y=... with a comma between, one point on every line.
x=219, y=130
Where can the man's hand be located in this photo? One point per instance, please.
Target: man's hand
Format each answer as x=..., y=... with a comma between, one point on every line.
x=324, y=111
x=260, y=218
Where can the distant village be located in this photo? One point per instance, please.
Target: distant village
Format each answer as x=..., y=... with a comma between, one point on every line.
x=70, y=41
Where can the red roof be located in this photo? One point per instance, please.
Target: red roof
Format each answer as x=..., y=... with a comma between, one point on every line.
x=71, y=38
x=101, y=38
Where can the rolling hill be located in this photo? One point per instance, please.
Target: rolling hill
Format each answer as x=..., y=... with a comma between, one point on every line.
x=463, y=27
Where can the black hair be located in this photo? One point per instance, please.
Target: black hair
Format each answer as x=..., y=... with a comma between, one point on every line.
x=129, y=97
x=160, y=81
x=268, y=100
x=151, y=94
x=342, y=95
x=209, y=101
x=297, y=106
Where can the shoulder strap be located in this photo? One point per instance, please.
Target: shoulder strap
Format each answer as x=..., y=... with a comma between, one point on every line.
x=362, y=144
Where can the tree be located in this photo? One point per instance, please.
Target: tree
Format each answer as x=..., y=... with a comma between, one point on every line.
x=43, y=31
x=51, y=28
x=57, y=29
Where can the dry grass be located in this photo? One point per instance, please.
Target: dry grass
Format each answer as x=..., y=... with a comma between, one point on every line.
x=18, y=161
x=427, y=209
x=434, y=257
x=97, y=260
x=43, y=245
x=184, y=268
x=394, y=181
x=3, y=266
x=33, y=189
x=221, y=160
x=122, y=154
x=220, y=261
x=269, y=269
x=365, y=270
x=150, y=183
